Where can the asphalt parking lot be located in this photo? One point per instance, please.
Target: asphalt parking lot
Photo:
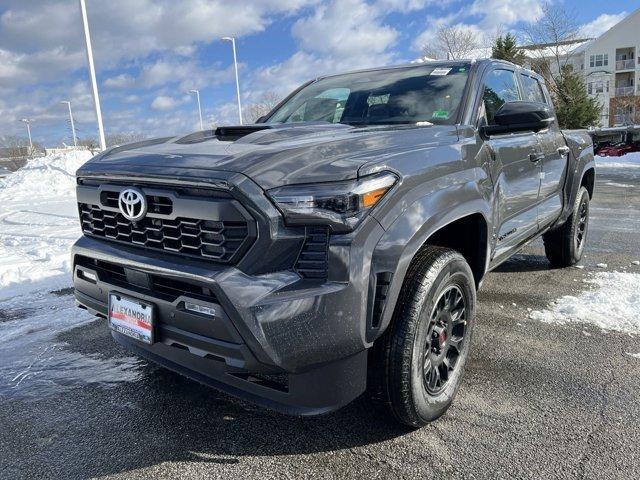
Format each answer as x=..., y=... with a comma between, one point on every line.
x=538, y=400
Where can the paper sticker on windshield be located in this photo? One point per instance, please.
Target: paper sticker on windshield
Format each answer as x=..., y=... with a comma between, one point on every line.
x=440, y=114
x=440, y=71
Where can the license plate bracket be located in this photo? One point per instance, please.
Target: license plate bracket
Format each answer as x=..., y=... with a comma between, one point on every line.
x=131, y=317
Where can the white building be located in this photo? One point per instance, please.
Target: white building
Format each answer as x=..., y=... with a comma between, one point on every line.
x=612, y=71
x=609, y=64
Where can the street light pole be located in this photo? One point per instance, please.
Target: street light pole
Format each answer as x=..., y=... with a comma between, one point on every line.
x=92, y=73
x=235, y=65
x=28, y=122
x=73, y=127
x=197, y=92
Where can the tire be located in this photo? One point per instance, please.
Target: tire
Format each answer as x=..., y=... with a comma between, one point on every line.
x=425, y=331
x=564, y=245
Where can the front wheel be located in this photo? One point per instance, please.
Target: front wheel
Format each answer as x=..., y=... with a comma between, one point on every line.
x=564, y=246
x=427, y=345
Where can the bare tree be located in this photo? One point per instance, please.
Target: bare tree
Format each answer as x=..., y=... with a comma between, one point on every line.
x=552, y=38
x=90, y=142
x=123, y=138
x=625, y=110
x=263, y=106
x=16, y=146
x=452, y=43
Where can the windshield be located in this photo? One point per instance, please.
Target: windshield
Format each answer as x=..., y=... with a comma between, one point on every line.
x=395, y=96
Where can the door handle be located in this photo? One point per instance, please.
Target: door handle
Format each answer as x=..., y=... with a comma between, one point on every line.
x=536, y=157
x=563, y=150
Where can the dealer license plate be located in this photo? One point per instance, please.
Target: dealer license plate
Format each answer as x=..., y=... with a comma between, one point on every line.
x=131, y=317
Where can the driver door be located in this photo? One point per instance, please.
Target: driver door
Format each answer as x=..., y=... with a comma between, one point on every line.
x=515, y=169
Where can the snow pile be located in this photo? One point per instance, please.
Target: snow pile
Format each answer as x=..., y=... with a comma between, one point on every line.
x=630, y=160
x=49, y=176
x=38, y=224
x=613, y=305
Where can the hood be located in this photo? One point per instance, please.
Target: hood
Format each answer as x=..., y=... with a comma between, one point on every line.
x=272, y=155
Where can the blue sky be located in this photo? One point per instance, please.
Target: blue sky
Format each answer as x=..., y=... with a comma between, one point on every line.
x=150, y=53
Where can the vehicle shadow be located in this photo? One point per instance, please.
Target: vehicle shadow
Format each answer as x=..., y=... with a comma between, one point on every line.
x=164, y=417
x=169, y=418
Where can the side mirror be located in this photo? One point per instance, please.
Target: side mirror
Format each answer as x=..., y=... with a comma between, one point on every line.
x=261, y=119
x=520, y=117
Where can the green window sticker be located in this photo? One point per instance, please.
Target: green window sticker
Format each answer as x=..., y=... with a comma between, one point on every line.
x=440, y=114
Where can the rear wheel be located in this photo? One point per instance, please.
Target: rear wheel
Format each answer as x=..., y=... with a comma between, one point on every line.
x=424, y=352
x=564, y=246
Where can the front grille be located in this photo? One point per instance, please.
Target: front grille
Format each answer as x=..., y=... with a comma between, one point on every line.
x=313, y=261
x=113, y=272
x=155, y=203
x=159, y=286
x=210, y=239
x=175, y=288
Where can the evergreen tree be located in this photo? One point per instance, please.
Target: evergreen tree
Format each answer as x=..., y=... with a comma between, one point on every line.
x=574, y=107
x=505, y=48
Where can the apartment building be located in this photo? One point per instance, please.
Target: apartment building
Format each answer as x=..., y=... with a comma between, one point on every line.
x=612, y=72
x=609, y=64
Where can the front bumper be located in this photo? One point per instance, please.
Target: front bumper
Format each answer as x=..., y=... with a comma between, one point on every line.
x=287, y=343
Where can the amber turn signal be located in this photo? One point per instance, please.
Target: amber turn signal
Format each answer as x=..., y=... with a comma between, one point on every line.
x=369, y=199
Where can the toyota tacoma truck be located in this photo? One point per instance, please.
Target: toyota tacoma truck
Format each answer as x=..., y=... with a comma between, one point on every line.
x=337, y=244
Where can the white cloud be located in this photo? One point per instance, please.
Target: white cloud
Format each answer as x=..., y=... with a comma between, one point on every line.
x=286, y=76
x=601, y=24
x=428, y=35
x=18, y=69
x=124, y=80
x=505, y=13
x=122, y=30
x=344, y=28
x=185, y=50
x=484, y=18
x=165, y=102
x=339, y=35
x=404, y=5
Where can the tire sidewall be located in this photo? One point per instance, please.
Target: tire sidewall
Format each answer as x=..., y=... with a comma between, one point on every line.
x=429, y=407
x=576, y=253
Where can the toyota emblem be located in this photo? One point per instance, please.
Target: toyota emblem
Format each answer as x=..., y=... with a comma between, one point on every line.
x=132, y=204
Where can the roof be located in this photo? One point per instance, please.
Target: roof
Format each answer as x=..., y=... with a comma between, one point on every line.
x=564, y=48
x=414, y=64
x=628, y=18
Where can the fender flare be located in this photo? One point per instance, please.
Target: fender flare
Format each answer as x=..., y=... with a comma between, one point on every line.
x=411, y=230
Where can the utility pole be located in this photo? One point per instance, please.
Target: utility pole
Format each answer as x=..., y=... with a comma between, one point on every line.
x=92, y=73
x=235, y=65
x=28, y=122
x=73, y=127
x=197, y=92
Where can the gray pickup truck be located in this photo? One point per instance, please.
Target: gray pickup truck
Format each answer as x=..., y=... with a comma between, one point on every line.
x=337, y=244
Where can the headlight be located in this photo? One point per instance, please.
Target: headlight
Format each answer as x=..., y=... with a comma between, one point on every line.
x=341, y=205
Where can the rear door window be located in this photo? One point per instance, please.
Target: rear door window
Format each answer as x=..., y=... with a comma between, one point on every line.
x=532, y=90
x=500, y=87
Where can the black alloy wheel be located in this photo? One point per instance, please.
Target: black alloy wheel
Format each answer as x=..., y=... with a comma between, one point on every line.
x=445, y=339
x=583, y=219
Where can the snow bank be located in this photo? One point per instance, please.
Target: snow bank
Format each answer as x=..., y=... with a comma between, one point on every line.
x=38, y=224
x=44, y=177
x=630, y=160
x=613, y=305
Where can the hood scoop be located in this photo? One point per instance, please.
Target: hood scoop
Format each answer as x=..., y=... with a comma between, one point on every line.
x=223, y=134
